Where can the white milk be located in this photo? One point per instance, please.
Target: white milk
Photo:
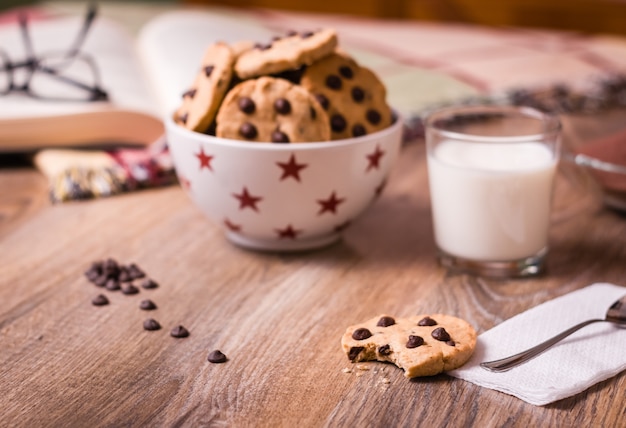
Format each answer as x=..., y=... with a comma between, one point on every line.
x=491, y=202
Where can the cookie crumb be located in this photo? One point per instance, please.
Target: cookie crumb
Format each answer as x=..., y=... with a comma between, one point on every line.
x=362, y=367
x=346, y=370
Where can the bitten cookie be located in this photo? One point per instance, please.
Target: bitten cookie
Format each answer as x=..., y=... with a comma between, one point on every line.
x=286, y=53
x=274, y=110
x=353, y=96
x=421, y=345
x=202, y=100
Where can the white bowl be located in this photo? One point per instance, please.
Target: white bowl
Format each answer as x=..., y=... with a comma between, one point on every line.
x=283, y=197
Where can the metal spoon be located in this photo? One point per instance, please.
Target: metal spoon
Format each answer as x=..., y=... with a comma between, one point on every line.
x=616, y=314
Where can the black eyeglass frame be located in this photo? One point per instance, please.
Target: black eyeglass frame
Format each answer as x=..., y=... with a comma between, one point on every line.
x=33, y=64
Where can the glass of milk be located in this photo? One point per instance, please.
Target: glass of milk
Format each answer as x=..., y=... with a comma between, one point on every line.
x=491, y=171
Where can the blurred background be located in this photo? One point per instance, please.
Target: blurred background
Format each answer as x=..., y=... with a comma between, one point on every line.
x=589, y=16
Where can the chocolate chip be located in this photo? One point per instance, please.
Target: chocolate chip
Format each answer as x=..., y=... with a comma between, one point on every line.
x=149, y=284
x=129, y=289
x=262, y=47
x=361, y=334
x=112, y=285
x=100, y=300
x=189, y=93
x=313, y=113
x=135, y=272
x=147, y=305
x=93, y=272
x=216, y=357
x=337, y=123
x=291, y=33
x=321, y=98
x=208, y=70
x=414, y=341
x=373, y=117
x=183, y=118
x=306, y=34
x=346, y=72
x=279, y=137
x=333, y=82
x=179, y=332
x=384, y=350
x=151, y=324
x=451, y=343
x=248, y=131
x=358, y=130
x=246, y=105
x=358, y=94
x=440, y=334
x=101, y=280
x=354, y=352
x=426, y=321
x=282, y=106
x=385, y=321
x=124, y=276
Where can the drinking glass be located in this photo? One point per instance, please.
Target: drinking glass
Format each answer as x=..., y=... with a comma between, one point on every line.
x=491, y=171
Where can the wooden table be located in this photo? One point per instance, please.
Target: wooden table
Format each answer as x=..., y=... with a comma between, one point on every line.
x=278, y=317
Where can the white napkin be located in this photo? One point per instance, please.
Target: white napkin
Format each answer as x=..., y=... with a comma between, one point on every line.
x=590, y=355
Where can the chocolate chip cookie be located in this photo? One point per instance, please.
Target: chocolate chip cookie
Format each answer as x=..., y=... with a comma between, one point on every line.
x=202, y=100
x=286, y=53
x=353, y=96
x=421, y=345
x=275, y=110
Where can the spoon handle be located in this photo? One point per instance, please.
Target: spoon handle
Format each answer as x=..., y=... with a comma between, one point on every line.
x=505, y=364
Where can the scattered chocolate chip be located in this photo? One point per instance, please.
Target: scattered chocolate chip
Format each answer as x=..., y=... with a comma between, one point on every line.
x=183, y=118
x=189, y=93
x=358, y=130
x=358, y=94
x=333, y=82
x=384, y=350
x=262, y=47
x=248, y=131
x=414, y=341
x=129, y=289
x=282, y=106
x=440, y=334
x=346, y=72
x=101, y=280
x=246, y=105
x=208, y=70
x=279, y=137
x=100, y=300
x=426, y=321
x=135, y=272
x=179, y=332
x=354, y=352
x=124, y=276
x=337, y=123
x=361, y=334
x=112, y=285
x=216, y=357
x=151, y=324
x=147, y=305
x=149, y=284
x=93, y=272
x=373, y=117
x=451, y=343
x=321, y=98
x=385, y=321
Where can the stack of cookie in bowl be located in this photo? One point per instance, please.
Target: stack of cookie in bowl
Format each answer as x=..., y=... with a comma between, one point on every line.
x=297, y=88
x=283, y=145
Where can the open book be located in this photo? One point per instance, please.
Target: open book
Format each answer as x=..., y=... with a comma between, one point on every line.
x=144, y=78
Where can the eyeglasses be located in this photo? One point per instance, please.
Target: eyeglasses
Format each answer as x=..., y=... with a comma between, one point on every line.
x=60, y=76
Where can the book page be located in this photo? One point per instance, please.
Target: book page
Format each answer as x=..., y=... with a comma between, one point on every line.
x=172, y=46
x=111, y=47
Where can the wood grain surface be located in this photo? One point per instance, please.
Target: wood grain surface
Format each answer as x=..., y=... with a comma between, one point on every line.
x=278, y=317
